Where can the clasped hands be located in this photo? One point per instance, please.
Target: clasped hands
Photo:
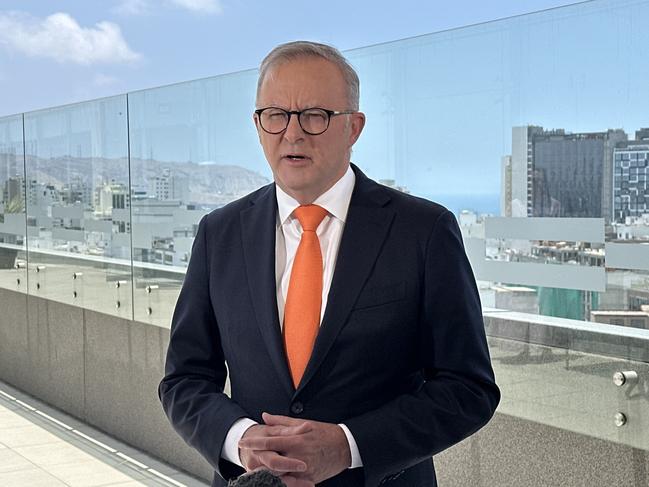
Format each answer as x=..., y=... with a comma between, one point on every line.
x=301, y=452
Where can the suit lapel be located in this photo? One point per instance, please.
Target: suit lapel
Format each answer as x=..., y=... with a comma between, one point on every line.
x=367, y=226
x=258, y=236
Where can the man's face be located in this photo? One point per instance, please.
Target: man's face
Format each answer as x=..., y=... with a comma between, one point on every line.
x=305, y=166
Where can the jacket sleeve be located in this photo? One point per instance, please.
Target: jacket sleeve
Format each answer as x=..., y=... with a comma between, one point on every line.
x=191, y=391
x=459, y=394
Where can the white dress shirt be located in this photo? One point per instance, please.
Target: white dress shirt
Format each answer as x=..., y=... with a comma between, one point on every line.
x=288, y=233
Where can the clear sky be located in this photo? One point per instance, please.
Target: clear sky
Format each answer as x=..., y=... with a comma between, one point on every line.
x=53, y=53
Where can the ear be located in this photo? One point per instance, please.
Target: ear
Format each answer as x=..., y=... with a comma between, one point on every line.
x=356, y=125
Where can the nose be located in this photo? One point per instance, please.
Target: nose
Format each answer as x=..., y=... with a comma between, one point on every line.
x=293, y=131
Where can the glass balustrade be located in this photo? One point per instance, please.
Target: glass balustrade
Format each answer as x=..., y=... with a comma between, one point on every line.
x=532, y=130
x=76, y=184
x=13, y=256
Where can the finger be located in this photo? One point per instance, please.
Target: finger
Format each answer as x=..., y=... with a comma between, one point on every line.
x=300, y=429
x=269, y=443
x=278, y=420
x=278, y=463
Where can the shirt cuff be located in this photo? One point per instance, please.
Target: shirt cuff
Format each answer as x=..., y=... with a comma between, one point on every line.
x=230, y=450
x=353, y=448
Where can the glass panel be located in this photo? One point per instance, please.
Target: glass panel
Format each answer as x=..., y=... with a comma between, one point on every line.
x=194, y=148
x=519, y=119
x=13, y=257
x=78, y=218
x=572, y=390
x=539, y=131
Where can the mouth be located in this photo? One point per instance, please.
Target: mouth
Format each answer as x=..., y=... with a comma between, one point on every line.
x=295, y=157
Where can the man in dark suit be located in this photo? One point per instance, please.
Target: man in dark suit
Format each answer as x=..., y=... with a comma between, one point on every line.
x=346, y=312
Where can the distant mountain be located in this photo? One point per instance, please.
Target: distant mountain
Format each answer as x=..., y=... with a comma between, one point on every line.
x=206, y=182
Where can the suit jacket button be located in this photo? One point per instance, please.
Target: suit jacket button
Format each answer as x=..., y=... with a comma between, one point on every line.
x=297, y=407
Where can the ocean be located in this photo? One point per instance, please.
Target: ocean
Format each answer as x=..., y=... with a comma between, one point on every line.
x=478, y=203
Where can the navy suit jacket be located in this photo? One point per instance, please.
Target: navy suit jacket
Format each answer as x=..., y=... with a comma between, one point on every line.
x=401, y=356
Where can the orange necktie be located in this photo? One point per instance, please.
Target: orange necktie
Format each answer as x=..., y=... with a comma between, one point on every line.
x=304, y=298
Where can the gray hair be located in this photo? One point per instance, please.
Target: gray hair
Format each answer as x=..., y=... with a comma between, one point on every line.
x=292, y=51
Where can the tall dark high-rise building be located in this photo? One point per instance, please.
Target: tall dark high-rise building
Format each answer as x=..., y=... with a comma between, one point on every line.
x=558, y=174
x=631, y=177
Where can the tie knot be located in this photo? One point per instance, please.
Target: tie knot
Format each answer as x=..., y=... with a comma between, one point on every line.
x=310, y=216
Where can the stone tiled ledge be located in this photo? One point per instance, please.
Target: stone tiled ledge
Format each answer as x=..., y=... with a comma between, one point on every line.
x=584, y=336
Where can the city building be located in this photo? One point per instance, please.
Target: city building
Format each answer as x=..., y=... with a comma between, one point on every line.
x=631, y=177
x=41, y=195
x=14, y=191
x=634, y=319
x=77, y=191
x=506, y=186
x=471, y=224
x=170, y=186
x=632, y=228
x=554, y=173
x=11, y=164
x=516, y=298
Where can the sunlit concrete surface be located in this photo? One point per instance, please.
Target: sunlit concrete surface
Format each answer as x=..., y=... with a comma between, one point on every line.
x=42, y=446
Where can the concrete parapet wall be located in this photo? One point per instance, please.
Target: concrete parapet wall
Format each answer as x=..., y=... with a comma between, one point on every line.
x=514, y=452
x=99, y=368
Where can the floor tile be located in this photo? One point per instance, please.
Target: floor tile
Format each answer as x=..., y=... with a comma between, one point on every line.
x=48, y=454
x=33, y=477
x=90, y=474
x=11, y=419
x=27, y=435
x=11, y=461
x=35, y=451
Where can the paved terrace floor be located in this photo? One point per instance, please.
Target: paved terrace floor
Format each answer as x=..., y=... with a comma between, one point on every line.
x=42, y=446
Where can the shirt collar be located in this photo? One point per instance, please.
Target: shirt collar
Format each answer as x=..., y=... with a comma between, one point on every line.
x=335, y=200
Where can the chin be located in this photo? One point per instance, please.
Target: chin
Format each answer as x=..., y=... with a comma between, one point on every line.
x=295, y=177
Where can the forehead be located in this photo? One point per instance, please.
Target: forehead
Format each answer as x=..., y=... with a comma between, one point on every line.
x=302, y=83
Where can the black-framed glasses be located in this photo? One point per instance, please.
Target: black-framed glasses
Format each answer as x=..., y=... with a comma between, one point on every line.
x=314, y=121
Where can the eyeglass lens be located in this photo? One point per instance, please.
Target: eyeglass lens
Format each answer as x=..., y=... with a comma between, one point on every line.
x=313, y=121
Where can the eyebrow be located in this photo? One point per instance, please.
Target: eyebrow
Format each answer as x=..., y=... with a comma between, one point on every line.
x=284, y=107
